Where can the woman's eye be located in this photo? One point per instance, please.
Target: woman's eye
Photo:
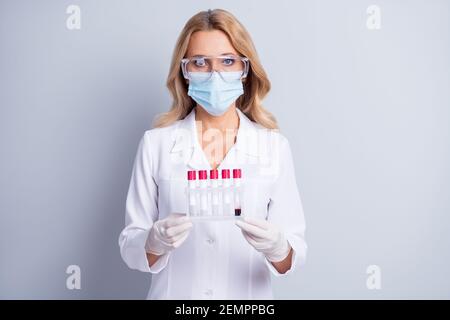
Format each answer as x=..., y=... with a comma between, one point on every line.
x=200, y=62
x=228, y=61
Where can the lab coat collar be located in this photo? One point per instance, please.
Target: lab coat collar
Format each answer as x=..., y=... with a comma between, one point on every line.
x=185, y=139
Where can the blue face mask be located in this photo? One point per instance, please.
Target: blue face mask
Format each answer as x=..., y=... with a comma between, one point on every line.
x=215, y=95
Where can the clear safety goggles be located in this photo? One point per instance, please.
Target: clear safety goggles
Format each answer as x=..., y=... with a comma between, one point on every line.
x=201, y=68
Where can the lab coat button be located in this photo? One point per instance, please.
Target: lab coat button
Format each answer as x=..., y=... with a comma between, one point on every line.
x=210, y=241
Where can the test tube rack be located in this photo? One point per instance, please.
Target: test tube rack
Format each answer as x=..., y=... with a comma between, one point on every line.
x=212, y=198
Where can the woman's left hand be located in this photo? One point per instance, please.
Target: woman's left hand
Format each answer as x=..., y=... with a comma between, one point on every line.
x=265, y=237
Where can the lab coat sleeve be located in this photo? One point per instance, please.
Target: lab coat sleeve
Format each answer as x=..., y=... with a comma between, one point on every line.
x=285, y=208
x=140, y=213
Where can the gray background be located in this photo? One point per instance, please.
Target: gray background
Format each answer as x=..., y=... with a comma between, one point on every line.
x=366, y=112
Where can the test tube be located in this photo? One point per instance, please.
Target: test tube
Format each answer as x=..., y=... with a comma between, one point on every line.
x=213, y=176
x=226, y=192
x=237, y=191
x=202, y=176
x=192, y=184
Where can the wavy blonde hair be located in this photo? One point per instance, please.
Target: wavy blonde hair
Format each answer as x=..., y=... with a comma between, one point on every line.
x=256, y=85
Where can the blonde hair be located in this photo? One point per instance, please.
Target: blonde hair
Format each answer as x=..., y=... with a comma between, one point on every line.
x=256, y=85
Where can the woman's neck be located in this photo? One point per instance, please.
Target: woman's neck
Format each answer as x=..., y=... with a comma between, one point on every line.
x=216, y=135
x=228, y=121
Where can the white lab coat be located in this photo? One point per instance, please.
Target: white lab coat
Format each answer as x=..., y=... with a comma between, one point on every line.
x=215, y=261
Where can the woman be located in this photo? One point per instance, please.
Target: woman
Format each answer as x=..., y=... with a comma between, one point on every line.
x=216, y=122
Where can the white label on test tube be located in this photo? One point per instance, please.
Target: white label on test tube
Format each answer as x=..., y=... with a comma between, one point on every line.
x=192, y=184
x=213, y=176
x=237, y=191
x=202, y=176
x=226, y=192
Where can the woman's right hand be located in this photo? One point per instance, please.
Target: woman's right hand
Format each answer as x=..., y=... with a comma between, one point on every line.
x=168, y=234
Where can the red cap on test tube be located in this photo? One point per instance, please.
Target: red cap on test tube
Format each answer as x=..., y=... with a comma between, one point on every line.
x=191, y=175
x=214, y=174
x=225, y=173
x=236, y=173
x=202, y=174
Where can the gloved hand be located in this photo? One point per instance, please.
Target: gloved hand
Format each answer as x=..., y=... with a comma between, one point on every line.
x=168, y=234
x=265, y=237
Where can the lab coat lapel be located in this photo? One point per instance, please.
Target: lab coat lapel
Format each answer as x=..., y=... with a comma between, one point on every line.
x=254, y=146
x=250, y=143
x=185, y=145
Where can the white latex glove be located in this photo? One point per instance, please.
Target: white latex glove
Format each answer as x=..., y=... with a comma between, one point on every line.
x=265, y=237
x=168, y=234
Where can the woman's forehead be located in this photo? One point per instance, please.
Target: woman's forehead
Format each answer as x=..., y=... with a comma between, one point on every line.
x=210, y=43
